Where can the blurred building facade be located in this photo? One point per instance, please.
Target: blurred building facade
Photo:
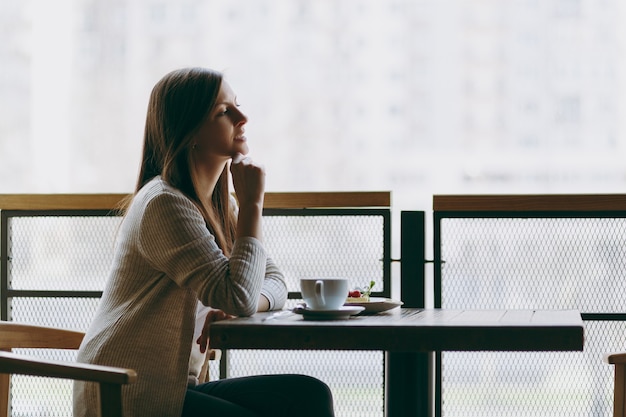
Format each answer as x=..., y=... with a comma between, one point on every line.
x=414, y=96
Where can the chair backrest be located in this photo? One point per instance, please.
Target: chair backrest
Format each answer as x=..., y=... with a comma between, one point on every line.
x=15, y=335
x=23, y=336
x=619, y=383
x=532, y=251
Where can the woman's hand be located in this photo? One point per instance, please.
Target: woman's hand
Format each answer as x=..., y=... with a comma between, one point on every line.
x=249, y=183
x=212, y=316
x=248, y=180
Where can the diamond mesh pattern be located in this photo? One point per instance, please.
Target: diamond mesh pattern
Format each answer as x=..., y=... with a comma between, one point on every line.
x=45, y=397
x=60, y=253
x=530, y=384
x=558, y=263
x=67, y=313
x=355, y=377
x=307, y=246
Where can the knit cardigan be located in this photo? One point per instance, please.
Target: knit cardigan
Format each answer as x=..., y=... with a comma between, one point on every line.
x=165, y=261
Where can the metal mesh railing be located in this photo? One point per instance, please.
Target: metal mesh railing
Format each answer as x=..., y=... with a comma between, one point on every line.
x=355, y=377
x=56, y=264
x=543, y=263
x=346, y=245
x=70, y=252
x=42, y=397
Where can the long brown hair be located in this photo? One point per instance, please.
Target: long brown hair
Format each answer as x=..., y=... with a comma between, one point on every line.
x=178, y=105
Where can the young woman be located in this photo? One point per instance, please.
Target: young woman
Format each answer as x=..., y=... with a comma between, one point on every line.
x=184, y=246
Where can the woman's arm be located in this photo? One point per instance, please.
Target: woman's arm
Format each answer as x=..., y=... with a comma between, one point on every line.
x=274, y=289
x=174, y=239
x=249, y=182
x=264, y=304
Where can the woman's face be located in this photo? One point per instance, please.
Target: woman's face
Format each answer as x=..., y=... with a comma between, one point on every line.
x=221, y=135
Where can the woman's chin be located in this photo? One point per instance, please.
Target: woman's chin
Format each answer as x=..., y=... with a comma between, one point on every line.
x=243, y=149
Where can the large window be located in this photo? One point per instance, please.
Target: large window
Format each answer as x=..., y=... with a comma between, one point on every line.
x=414, y=96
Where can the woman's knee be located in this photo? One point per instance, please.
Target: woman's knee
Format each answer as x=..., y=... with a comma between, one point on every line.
x=314, y=395
x=315, y=385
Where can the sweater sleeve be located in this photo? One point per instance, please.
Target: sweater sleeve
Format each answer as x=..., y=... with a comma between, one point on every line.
x=174, y=238
x=274, y=287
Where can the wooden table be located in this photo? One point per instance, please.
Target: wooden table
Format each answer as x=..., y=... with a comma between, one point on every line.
x=404, y=334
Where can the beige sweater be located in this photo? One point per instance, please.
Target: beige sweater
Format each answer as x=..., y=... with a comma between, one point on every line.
x=165, y=261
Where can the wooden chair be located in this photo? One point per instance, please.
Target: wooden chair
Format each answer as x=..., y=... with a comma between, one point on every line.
x=619, y=385
x=211, y=355
x=15, y=335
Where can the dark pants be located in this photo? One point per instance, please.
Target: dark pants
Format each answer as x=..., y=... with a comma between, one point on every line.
x=260, y=396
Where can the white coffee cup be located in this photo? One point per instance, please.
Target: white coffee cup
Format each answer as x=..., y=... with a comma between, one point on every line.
x=324, y=293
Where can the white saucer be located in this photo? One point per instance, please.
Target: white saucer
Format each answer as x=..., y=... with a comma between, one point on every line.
x=341, y=313
x=377, y=305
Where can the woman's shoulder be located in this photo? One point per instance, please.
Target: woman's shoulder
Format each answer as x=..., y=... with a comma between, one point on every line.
x=160, y=190
x=157, y=185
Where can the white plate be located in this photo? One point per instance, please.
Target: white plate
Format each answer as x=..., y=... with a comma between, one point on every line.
x=376, y=305
x=342, y=313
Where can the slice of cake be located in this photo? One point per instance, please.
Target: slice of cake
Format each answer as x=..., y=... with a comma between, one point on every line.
x=355, y=296
x=360, y=295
